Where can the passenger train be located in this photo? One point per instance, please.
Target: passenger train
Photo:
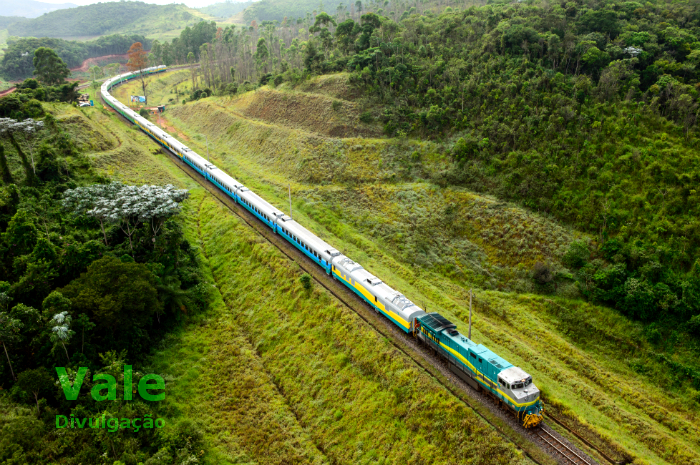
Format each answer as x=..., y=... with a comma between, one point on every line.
x=472, y=362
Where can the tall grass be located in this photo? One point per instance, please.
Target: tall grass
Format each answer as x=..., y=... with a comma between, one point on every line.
x=369, y=198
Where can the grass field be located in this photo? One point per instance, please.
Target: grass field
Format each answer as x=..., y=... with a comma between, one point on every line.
x=369, y=198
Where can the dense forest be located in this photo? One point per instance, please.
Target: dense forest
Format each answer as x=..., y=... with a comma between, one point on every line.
x=585, y=111
x=17, y=61
x=98, y=19
x=93, y=273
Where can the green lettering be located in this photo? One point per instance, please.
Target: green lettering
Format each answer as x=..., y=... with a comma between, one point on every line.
x=144, y=386
x=71, y=390
x=127, y=382
x=110, y=385
x=65, y=418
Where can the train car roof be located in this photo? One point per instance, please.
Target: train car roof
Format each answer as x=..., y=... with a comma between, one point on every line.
x=306, y=236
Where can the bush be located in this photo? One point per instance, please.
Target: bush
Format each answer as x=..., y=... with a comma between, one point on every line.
x=577, y=255
x=542, y=273
x=143, y=112
x=336, y=105
x=366, y=117
x=306, y=281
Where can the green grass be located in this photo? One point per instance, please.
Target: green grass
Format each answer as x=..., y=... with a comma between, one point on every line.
x=592, y=364
x=271, y=373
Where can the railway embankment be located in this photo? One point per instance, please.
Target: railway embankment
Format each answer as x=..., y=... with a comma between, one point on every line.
x=592, y=364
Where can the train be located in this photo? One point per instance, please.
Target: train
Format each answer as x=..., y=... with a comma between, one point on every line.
x=475, y=364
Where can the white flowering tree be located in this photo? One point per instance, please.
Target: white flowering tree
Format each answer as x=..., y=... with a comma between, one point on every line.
x=127, y=206
x=91, y=200
x=29, y=128
x=60, y=330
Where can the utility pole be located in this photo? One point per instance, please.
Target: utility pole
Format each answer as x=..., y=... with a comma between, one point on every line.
x=290, y=202
x=470, y=314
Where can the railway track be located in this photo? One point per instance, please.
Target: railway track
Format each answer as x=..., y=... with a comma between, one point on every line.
x=554, y=447
x=569, y=455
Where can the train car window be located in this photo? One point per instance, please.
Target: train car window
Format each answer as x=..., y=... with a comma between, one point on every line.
x=473, y=356
x=375, y=298
x=479, y=359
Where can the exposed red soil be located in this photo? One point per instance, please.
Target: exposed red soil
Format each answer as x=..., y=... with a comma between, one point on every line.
x=8, y=91
x=85, y=67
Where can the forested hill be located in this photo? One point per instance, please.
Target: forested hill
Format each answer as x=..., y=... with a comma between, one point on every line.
x=271, y=10
x=106, y=18
x=17, y=61
x=225, y=9
x=588, y=112
x=7, y=20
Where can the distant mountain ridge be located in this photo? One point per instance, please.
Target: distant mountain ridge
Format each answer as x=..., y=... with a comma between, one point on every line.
x=101, y=19
x=226, y=9
x=30, y=8
x=7, y=20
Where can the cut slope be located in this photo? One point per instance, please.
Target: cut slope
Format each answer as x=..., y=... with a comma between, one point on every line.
x=310, y=112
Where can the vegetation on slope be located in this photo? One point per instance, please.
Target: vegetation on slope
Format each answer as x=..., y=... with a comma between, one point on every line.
x=80, y=293
x=7, y=20
x=588, y=113
x=17, y=61
x=369, y=198
x=106, y=18
x=225, y=9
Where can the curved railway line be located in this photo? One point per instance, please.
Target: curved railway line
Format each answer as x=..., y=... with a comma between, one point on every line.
x=561, y=451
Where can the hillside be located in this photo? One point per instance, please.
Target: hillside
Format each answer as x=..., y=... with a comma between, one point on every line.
x=271, y=10
x=225, y=9
x=7, y=20
x=391, y=219
x=30, y=8
x=239, y=390
x=108, y=18
x=17, y=62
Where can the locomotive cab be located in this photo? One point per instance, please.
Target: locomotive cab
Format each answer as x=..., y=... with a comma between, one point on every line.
x=521, y=394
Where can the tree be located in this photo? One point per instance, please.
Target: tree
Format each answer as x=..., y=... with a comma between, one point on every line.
x=96, y=73
x=60, y=330
x=127, y=206
x=261, y=54
x=6, y=174
x=9, y=332
x=193, y=70
x=84, y=200
x=49, y=67
x=138, y=61
x=27, y=129
x=35, y=382
x=21, y=234
x=117, y=295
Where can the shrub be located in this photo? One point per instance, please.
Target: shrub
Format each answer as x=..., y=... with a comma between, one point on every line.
x=542, y=273
x=577, y=255
x=143, y=112
x=306, y=281
x=336, y=105
x=366, y=117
